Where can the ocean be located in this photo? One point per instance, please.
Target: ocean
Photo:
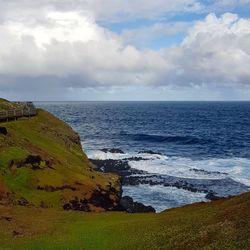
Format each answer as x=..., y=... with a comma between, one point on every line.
x=190, y=140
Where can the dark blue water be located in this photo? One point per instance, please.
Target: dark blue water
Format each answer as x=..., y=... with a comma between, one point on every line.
x=213, y=136
x=189, y=129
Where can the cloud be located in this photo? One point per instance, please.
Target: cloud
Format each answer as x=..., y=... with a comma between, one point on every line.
x=217, y=50
x=119, y=9
x=101, y=10
x=69, y=51
x=69, y=45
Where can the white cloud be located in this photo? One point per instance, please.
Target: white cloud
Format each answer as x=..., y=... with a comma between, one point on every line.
x=121, y=9
x=69, y=44
x=69, y=50
x=219, y=49
x=104, y=10
x=64, y=27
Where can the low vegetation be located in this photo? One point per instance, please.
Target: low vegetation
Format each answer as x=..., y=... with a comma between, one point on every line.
x=7, y=105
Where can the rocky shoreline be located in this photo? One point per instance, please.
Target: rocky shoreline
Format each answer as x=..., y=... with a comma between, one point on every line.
x=213, y=188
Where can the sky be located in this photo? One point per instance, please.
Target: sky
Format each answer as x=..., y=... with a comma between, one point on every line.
x=161, y=50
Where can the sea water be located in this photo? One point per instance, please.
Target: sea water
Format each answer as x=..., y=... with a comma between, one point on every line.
x=203, y=140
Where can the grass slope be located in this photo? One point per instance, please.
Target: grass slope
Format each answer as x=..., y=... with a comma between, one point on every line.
x=223, y=224
x=63, y=172
x=7, y=105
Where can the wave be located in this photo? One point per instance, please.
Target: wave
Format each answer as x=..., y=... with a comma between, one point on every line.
x=161, y=197
x=167, y=139
x=214, y=168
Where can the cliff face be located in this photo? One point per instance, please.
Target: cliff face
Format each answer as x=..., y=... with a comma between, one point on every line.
x=42, y=164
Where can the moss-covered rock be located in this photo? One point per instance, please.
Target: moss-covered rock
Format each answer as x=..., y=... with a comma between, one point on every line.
x=42, y=163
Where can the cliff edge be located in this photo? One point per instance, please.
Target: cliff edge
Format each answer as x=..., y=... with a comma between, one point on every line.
x=42, y=164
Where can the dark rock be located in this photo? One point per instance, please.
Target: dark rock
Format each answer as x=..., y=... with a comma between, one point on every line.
x=127, y=204
x=15, y=233
x=141, y=208
x=214, y=188
x=33, y=160
x=22, y=202
x=221, y=187
x=211, y=196
x=149, y=152
x=111, y=165
x=207, y=172
x=54, y=188
x=3, y=131
x=7, y=218
x=135, y=159
x=112, y=150
x=120, y=167
x=77, y=204
x=101, y=198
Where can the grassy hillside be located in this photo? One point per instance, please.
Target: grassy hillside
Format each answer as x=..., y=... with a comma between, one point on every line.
x=42, y=164
x=6, y=105
x=223, y=224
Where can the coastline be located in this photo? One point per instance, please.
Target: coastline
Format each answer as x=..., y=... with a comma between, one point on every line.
x=51, y=196
x=116, y=161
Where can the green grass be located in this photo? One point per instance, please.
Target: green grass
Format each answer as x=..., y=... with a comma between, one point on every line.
x=222, y=224
x=9, y=154
x=55, y=142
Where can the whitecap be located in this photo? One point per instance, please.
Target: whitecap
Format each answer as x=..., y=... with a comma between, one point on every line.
x=161, y=197
x=214, y=168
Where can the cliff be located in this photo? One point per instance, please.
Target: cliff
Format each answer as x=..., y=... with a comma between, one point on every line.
x=42, y=164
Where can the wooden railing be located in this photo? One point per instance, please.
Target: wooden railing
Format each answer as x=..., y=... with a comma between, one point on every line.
x=27, y=109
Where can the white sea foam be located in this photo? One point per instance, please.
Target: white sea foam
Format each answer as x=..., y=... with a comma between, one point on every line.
x=161, y=197
x=236, y=168
x=100, y=155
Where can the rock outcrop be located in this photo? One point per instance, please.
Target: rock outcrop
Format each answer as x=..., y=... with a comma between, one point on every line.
x=3, y=131
x=214, y=188
x=129, y=205
x=112, y=150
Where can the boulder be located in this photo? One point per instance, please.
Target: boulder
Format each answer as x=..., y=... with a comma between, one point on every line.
x=127, y=204
x=149, y=152
x=3, y=131
x=211, y=196
x=112, y=150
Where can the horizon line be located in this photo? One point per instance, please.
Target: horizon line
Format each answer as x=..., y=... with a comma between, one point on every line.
x=136, y=100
